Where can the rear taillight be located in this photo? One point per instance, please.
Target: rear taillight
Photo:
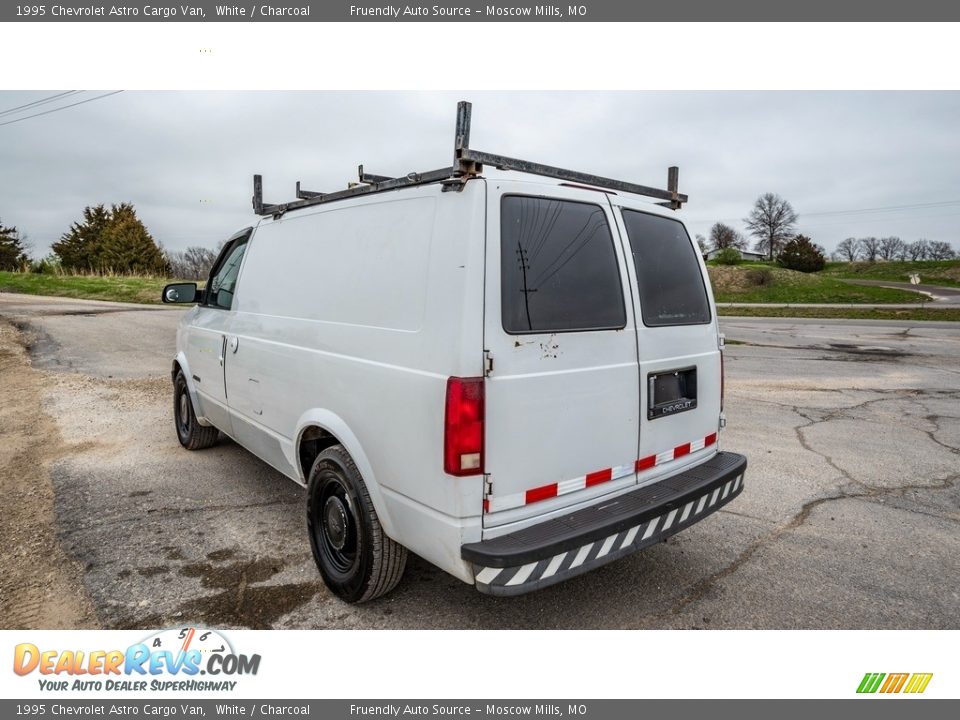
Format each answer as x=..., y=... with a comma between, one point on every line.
x=463, y=427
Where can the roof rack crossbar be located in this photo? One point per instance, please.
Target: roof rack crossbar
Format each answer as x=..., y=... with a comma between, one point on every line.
x=261, y=208
x=305, y=194
x=370, y=178
x=467, y=163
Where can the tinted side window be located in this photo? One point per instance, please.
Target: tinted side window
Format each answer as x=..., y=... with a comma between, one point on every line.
x=558, y=267
x=671, y=286
x=223, y=280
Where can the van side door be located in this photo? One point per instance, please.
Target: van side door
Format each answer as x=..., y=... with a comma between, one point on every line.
x=562, y=395
x=677, y=337
x=207, y=335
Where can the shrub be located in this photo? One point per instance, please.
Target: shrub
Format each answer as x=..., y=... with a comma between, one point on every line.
x=759, y=277
x=49, y=265
x=802, y=254
x=729, y=256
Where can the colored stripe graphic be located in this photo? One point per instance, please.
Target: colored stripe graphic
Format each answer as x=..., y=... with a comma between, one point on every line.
x=918, y=682
x=894, y=683
x=870, y=682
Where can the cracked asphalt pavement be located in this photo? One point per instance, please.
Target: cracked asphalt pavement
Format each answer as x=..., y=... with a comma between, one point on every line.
x=849, y=518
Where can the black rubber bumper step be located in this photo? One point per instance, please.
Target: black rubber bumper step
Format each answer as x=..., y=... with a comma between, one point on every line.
x=571, y=544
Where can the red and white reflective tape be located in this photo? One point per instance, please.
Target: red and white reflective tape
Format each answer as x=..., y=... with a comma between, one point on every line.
x=650, y=461
x=495, y=503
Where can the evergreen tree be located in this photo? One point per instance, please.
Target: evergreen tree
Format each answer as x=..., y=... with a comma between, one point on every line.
x=81, y=247
x=12, y=252
x=128, y=247
x=802, y=254
x=112, y=240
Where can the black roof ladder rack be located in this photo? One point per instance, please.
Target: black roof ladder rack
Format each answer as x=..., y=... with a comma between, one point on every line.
x=467, y=163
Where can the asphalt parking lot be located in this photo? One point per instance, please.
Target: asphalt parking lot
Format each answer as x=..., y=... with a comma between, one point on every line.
x=849, y=518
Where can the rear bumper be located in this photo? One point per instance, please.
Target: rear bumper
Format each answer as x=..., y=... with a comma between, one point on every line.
x=573, y=544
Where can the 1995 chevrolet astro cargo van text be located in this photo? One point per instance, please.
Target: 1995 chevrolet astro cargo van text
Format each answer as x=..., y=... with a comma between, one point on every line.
x=517, y=376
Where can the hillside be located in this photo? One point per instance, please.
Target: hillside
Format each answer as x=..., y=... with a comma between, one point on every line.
x=757, y=283
x=934, y=272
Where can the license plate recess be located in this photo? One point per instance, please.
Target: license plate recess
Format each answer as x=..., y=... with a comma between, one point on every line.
x=671, y=391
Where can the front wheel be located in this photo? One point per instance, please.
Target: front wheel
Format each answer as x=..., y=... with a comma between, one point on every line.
x=357, y=560
x=192, y=435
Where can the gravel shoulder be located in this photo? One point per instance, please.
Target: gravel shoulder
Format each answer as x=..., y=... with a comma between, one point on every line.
x=40, y=587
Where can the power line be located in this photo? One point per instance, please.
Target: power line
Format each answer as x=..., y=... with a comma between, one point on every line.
x=860, y=211
x=868, y=221
x=64, y=107
x=888, y=208
x=42, y=101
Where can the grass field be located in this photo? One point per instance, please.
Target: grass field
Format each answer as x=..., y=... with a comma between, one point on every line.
x=90, y=287
x=912, y=314
x=760, y=283
x=934, y=272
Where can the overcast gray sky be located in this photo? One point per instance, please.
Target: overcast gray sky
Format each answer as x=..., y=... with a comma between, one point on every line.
x=848, y=161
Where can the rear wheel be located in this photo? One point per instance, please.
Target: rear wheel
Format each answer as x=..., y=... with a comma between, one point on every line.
x=192, y=435
x=357, y=560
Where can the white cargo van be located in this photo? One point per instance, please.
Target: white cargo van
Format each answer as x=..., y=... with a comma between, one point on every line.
x=516, y=375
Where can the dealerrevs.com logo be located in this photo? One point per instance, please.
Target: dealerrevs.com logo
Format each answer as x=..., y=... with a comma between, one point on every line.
x=891, y=683
x=169, y=660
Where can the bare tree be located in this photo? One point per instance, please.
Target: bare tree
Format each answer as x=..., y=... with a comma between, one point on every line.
x=890, y=247
x=701, y=243
x=919, y=250
x=200, y=259
x=904, y=252
x=869, y=248
x=941, y=250
x=848, y=249
x=194, y=263
x=771, y=221
x=723, y=236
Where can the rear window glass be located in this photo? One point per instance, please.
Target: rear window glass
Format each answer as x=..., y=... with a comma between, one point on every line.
x=671, y=285
x=558, y=267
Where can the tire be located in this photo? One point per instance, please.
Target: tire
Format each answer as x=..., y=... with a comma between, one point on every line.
x=357, y=560
x=191, y=434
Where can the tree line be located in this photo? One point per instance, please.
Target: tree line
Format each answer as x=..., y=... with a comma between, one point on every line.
x=115, y=240
x=106, y=241
x=772, y=222
x=872, y=249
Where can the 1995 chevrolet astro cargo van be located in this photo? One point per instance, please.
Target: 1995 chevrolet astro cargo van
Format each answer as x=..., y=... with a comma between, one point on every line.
x=516, y=374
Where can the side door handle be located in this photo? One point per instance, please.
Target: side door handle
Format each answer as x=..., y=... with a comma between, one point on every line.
x=223, y=350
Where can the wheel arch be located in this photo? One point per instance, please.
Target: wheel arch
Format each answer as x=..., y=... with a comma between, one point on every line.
x=180, y=364
x=331, y=429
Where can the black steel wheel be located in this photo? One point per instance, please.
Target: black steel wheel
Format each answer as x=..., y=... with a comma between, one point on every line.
x=192, y=435
x=356, y=559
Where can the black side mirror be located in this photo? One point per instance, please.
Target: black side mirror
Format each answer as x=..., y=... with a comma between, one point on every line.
x=180, y=293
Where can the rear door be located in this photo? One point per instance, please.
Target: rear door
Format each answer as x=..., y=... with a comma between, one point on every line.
x=562, y=410
x=677, y=336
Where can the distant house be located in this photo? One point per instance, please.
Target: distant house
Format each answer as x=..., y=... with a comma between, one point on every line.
x=745, y=254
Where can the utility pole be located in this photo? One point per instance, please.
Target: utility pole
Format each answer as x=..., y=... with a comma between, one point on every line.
x=524, y=261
